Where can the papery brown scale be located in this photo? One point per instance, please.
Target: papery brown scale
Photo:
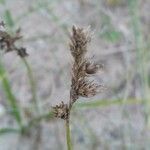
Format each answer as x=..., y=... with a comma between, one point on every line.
x=7, y=43
x=61, y=110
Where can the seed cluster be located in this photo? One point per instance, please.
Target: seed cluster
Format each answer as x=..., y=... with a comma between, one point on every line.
x=61, y=111
x=82, y=68
x=8, y=42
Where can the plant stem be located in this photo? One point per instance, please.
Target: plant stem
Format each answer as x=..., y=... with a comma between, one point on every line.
x=8, y=130
x=141, y=56
x=106, y=103
x=32, y=84
x=10, y=96
x=68, y=135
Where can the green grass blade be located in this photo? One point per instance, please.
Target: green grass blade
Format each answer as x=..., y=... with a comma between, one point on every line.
x=105, y=103
x=8, y=19
x=8, y=130
x=141, y=55
x=9, y=94
x=32, y=84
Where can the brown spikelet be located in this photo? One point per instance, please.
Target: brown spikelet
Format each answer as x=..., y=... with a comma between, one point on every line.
x=79, y=40
x=61, y=111
x=8, y=43
x=92, y=68
x=82, y=68
x=22, y=52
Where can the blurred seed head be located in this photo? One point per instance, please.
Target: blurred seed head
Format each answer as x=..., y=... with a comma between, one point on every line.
x=8, y=42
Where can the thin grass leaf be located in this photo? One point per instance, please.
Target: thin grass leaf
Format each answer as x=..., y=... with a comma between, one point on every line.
x=105, y=103
x=9, y=94
x=8, y=19
x=32, y=84
x=8, y=130
x=141, y=56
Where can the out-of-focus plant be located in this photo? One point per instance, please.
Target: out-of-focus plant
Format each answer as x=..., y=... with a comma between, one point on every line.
x=8, y=44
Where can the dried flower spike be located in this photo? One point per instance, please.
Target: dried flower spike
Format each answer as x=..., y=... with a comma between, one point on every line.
x=22, y=52
x=7, y=42
x=82, y=67
x=61, y=111
x=79, y=40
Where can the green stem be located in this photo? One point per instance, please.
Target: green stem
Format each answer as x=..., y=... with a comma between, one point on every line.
x=68, y=135
x=10, y=96
x=32, y=84
x=106, y=103
x=141, y=56
x=8, y=130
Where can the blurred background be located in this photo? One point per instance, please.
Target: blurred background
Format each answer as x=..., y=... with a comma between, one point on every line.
x=116, y=119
